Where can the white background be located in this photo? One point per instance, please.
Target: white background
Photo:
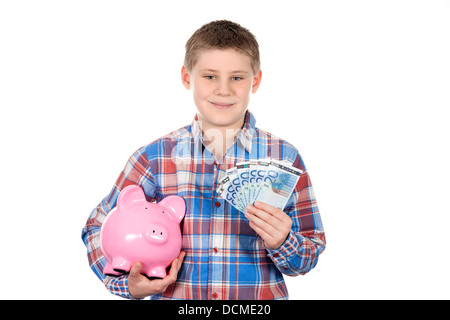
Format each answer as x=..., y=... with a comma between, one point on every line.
x=361, y=88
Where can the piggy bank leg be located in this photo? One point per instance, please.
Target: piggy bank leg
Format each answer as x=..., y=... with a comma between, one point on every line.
x=156, y=272
x=121, y=265
x=109, y=271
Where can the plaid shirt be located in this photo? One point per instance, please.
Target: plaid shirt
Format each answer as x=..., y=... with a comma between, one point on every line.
x=225, y=258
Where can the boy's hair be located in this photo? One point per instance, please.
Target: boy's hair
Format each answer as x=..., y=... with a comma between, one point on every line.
x=222, y=34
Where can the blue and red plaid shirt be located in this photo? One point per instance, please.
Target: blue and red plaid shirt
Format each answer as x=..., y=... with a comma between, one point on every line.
x=225, y=258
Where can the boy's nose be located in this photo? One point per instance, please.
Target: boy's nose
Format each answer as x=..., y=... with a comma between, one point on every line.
x=223, y=89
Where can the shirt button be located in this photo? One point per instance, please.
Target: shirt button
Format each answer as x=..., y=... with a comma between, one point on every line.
x=215, y=250
x=214, y=295
x=218, y=204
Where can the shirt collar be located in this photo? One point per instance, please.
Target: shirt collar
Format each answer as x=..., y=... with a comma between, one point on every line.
x=244, y=137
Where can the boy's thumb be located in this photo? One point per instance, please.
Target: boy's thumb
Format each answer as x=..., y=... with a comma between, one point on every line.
x=136, y=269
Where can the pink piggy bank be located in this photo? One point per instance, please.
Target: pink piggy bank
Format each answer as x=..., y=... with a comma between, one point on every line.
x=138, y=230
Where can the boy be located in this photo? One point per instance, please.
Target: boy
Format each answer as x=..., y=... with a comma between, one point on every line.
x=226, y=254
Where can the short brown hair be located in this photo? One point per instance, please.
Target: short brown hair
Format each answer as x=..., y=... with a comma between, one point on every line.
x=222, y=34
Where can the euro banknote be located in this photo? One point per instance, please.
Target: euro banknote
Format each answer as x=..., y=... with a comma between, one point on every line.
x=266, y=180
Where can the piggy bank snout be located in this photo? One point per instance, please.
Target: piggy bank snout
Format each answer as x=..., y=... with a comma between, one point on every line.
x=156, y=233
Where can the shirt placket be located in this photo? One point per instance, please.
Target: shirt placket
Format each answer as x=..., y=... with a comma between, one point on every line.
x=216, y=243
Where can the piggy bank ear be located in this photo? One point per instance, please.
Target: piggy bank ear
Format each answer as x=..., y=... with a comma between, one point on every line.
x=129, y=194
x=176, y=207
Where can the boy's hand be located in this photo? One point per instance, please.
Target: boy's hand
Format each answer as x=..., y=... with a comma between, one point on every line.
x=140, y=286
x=273, y=225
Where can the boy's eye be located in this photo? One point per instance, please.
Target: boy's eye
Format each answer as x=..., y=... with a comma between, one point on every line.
x=236, y=78
x=210, y=77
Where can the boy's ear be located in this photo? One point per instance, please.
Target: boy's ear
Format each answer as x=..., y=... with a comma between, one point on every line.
x=185, y=78
x=256, y=82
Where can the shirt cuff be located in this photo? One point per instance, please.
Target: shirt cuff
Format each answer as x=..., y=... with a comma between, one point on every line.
x=281, y=255
x=119, y=286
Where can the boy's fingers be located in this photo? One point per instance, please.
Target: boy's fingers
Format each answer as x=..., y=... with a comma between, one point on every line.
x=174, y=268
x=269, y=213
x=172, y=276
x=259, y=223
x=259, y=216
x=136, y=269
x=265, y=206
x=181, y=258
x=176, y=263
x=262, y=233
x=140, y=286
x=272, y=224
x=280, y=214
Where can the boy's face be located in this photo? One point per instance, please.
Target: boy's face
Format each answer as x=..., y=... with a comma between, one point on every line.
x=222, y=81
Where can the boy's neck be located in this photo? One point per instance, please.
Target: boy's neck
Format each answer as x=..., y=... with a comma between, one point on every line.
x=219, y=139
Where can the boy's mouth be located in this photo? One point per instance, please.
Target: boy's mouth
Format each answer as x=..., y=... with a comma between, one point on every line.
x=221, y=105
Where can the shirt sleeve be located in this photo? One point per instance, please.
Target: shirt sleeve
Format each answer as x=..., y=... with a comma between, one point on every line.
x=135, y=172
x=306, y=241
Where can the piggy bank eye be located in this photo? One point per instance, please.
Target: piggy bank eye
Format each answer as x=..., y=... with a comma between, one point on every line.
x=145, y=208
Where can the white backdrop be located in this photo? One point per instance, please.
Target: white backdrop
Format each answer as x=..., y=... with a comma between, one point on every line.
x=361, y=88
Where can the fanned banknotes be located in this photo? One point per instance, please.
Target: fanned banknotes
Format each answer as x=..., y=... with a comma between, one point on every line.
x=265, y=180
